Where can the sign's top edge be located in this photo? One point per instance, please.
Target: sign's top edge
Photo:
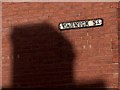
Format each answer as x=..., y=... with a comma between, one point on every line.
x=83, y=20
x=59, y=0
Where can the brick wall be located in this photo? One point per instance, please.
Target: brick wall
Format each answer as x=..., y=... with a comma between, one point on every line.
x=119, y=36
x=90, y=55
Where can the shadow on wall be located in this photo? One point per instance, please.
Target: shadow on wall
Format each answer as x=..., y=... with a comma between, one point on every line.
x=43, y=58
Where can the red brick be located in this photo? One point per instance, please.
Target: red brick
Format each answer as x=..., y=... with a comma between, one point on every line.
x=96, y=49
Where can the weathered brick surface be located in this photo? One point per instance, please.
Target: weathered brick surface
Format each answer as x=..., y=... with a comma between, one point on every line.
x=119, y=39
x=95, y=49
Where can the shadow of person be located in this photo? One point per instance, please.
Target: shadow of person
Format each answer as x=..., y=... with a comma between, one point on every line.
x=43, y=58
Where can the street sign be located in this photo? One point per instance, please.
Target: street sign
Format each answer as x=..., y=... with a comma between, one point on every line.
x=81, y=24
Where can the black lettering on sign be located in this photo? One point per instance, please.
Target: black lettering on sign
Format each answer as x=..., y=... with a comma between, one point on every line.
x=81, y=24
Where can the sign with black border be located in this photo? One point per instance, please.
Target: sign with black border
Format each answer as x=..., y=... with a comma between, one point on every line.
x=79, y=24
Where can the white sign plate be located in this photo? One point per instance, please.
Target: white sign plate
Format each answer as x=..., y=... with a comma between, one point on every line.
x=81, y=24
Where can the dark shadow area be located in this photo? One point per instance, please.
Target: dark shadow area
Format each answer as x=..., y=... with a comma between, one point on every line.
x=43, y=58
